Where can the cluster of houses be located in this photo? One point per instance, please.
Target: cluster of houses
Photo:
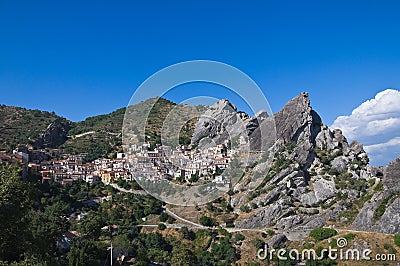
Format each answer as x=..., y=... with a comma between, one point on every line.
x=70, y=168
x=164, y=162
x=182, y=163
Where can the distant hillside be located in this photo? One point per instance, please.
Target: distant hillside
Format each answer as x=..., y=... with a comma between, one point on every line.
x=22, y=126
x=163, y=111
x=99, y=136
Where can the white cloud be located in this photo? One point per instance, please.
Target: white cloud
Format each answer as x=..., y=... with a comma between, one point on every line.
x=376, y=124
x=387, y=145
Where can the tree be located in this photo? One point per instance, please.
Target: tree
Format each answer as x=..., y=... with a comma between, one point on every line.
x=224, y=251
x=239, y=237
x=205, y=258
x=91, y=225
x=154, y=207
x=183, y=256
x=163, y=217
x=158, y=256
x=83, y=253
x=207, y=221
x=121, y=242
x=193, y=178
x=16, y=198
x=155, y=240
x=162, y=226
x=187, y=234
x=44, y=238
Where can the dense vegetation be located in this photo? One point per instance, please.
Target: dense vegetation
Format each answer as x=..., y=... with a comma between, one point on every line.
x=34, y=218
x=21, y=126
x=322, y=233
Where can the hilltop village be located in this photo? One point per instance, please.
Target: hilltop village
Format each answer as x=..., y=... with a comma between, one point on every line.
x=180, y=164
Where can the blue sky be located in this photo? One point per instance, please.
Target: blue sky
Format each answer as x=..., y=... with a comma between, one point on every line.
x=83, y=58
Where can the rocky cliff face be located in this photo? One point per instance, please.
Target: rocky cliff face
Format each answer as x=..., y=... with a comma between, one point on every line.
x=218, y=123
x=391, y=179
x=54, y=135
x=382, y=212
x=315, y=176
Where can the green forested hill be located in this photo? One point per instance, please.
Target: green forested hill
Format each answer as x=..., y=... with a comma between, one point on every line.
x=22, y=126
x=99, y=136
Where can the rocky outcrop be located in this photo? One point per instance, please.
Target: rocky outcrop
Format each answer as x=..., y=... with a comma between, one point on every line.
x=390, y=220
x=315, y=175
x=391, y=179
x=263, y=217
x=387, y=200
x=276, y=241
x=298, y=123
x=220, y=122
x=54, y=135
x=340, y=164
x=322, y=190
x=297, y=120
x=364, y=220
x=388, y=223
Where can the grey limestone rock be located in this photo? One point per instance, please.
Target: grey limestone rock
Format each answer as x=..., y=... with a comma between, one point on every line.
x=390, y=221
x=306, y=178
x=263, y=217
x=54, y=135
x=276, y=241
x=391, y=179
x=323, y=190
x=340, y=163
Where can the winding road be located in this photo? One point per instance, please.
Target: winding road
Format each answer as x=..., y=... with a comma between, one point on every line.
x=199, y=226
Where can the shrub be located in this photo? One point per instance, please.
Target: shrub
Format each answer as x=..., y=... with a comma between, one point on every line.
x=207, y=221
x=371, y=182
x=322, y=233
x=389, y=248
x=254, y=205
x=163, y=217
x=290, y=146
x=187, y=234
x=270, y=232
x=245, y=208
x=378, y=187
x=397, y=240
x=230, y=225
x=162, y=226
x=382, y=207
x=333, y=171
x=257, y=243
x=171, y=220
x=239, y=237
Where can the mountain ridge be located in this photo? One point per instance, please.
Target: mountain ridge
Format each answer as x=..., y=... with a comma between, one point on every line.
x=315, y=177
